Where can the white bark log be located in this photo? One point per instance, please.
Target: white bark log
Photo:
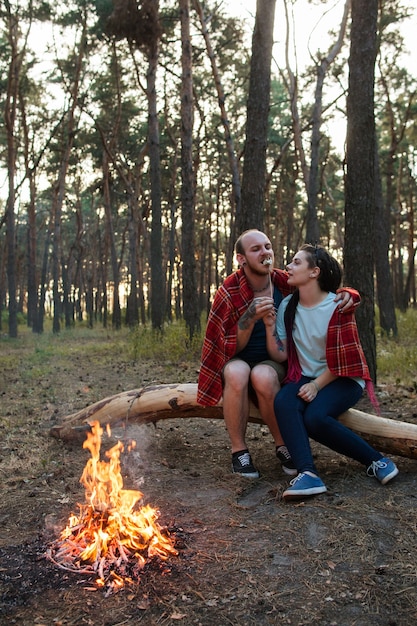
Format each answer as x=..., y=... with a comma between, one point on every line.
x=171, y=401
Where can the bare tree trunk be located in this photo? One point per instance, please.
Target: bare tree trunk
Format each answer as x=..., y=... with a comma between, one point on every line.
x=103, y=270
x=60, y=185
x=411, y=229
x=254, y=165
x=189, y=282
x=75, y=263
x=360, y=177
x=32, y=278
x=171, y=257
x=132, y=306
x=384, y=287
x=3, y=255
x=10, y=112
x=117, y=314
x=292, y=86
x=44, y=277
x=312, y=224
x=157, y=276
x=396, y=135
x=171, y=202
x=236, y=196
x=66, y=295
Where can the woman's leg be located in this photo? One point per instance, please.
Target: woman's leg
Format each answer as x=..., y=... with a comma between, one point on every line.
x=289, y=409
x=322, y=425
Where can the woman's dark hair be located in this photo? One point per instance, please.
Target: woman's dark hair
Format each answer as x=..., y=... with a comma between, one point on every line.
x=330, y=275
x=329, y=279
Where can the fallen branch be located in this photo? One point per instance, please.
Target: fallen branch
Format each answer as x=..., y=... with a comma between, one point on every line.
x=171, y=401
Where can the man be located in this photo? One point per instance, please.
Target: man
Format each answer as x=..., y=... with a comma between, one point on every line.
x=235, y=362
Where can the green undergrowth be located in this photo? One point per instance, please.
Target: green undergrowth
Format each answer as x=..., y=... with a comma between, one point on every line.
x=397, y=356
x=34, y=360
x=173, y=344
x=39, y=354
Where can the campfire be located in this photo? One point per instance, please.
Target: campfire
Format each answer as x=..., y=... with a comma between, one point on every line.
x=112, y=537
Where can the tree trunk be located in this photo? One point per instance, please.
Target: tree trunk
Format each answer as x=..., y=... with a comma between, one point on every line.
x=132, y=306
x=75, y=263
x=10, y=111
x=103, y=271
x=384, y=286
x=171, y=254
x=169, y=401
x=44, y=280
x=117, y=314
x=292, y=86
x=3, y=254
x=31, y=256
x=360, y=164
x=313, y=226
x=60, y=185
x=66, y=295
x=236, y=196
x=189, y=282
x=254, y=164
x=157, y=274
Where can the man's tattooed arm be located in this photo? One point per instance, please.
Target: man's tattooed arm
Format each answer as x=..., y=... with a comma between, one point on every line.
x=246, y=320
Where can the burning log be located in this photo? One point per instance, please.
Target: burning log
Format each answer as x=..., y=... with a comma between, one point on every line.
x=111, y=538
x=168, y=401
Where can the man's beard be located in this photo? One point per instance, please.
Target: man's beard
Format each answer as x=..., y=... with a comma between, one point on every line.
x=259, y=269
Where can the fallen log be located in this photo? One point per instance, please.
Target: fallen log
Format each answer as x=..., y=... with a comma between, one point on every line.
x=168, y=401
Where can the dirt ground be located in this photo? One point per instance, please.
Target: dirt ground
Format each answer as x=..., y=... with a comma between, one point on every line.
x=345, y=558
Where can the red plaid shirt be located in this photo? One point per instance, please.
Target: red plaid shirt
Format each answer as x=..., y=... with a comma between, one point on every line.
x=219, y=346
x=344, y=352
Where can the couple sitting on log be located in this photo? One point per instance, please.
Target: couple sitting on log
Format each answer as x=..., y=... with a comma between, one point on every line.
x=263, y=317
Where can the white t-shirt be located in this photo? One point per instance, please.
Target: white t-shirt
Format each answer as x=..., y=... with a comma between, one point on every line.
x=310, y=334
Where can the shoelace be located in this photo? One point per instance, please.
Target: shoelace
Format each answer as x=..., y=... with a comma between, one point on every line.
x=374, y=466
x=284, y=451
x=296, y=479
x=244, y=459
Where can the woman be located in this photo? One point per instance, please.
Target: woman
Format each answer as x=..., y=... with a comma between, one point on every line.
x=327, y=372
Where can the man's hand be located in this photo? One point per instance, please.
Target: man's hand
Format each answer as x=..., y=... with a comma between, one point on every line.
x=259, y=308
x=348, y=298
x=345, y=301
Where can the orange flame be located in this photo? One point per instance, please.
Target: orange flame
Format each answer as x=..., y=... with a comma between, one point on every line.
x=109, y=531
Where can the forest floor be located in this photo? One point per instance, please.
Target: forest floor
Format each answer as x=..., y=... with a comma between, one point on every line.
x=345, y=558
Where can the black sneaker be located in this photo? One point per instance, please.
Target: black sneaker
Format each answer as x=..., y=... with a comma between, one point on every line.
x=242, y=464
x=284, y=457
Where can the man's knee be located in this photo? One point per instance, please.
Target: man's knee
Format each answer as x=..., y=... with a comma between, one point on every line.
x=265, y=379
x=236, y=374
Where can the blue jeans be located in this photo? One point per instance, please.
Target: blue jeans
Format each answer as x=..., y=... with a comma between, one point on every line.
x=299, y=420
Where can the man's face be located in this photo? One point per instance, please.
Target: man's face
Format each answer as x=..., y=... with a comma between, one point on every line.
x=258, y=255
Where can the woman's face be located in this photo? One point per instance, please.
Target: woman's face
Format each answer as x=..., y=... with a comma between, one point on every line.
x=299, y=271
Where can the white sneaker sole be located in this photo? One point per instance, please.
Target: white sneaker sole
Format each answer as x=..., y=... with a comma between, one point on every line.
x=390, y=476
x=297, y=494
